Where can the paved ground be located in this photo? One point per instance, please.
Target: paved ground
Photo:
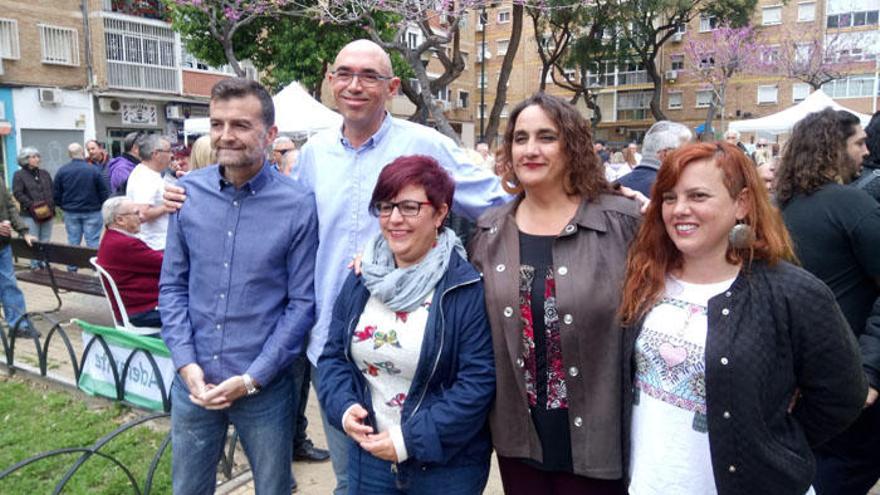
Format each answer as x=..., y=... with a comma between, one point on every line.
x=312, y=478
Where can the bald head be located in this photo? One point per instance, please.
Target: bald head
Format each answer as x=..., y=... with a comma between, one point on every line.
x=365, y=49
x=75, y=150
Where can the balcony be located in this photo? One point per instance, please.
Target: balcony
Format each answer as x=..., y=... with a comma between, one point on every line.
x=141, y=54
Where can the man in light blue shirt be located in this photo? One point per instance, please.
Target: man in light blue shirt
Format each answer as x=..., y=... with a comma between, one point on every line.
x=341, y=167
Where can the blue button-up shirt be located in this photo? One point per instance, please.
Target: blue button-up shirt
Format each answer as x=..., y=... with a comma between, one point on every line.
x=237, y=293
x=343, y=177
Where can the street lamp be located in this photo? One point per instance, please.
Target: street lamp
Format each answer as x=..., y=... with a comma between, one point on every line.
x=483, y=22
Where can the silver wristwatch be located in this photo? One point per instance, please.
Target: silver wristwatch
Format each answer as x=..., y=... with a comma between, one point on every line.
x=249, y=384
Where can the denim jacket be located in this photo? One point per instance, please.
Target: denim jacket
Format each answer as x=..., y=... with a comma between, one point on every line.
x=445, y=422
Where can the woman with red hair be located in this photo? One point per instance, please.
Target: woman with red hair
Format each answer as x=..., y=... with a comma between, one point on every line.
x=741, y=361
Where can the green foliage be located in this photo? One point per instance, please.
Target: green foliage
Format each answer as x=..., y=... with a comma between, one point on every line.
x=34, y=420
x=283, y=48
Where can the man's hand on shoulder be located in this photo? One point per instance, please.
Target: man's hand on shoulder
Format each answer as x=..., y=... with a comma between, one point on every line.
x=174, y=197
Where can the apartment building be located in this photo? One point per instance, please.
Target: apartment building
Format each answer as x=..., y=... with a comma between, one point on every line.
x=83, y=69
x=848, y=28
x=847, y=32
x=44, y=97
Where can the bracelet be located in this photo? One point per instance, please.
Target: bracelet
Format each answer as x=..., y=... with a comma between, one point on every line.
x=249, y=384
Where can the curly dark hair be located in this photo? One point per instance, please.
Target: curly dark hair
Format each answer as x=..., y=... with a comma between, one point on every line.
x=585, y=175
x=816, y=153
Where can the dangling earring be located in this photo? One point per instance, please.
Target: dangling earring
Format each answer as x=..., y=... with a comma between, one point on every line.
x=509, y=182
x=741, y=235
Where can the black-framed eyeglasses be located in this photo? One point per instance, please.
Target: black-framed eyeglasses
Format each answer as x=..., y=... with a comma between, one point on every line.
x=760, y=145
x=407, y=208
x=366, y=78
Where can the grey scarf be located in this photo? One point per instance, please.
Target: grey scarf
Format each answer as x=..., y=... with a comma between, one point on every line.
x=404, y=289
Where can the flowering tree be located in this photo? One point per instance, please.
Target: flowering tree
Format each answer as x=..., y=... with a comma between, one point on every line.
x=814, y=57
x=715, y=59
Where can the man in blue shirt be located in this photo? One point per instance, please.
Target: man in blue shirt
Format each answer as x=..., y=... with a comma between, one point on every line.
x=341, y=167
x=236, y=298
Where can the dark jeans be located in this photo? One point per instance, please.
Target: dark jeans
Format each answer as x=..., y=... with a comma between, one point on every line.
x=301, y=372
x=850, y=463
x=519, y=478
x=263, y=422
x=369, y=475
x=146, y=319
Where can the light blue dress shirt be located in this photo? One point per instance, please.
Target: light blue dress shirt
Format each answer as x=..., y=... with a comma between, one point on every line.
x=343, y=179
x=237, y=293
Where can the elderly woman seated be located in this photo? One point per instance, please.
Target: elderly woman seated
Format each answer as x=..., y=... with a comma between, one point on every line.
x=134, y=266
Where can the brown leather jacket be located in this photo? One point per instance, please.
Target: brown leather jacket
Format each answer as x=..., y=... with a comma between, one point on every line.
x=590, y=260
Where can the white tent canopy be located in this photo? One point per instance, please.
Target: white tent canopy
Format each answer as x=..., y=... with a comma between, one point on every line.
x=296, y=113
x=783, y=122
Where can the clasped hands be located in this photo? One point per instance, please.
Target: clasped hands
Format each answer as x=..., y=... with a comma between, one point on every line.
x=208, y=395
x=378, y=444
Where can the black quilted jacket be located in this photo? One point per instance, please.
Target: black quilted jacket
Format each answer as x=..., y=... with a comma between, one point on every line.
x=777, y=330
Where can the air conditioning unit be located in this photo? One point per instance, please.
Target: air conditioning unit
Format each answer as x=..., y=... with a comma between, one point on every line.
x=677, y=37
x=480, y=56
x=671, y=75
x=447, y=105
x=480, y=27
x=49, y=96
x=109, y=105
x=173, y=112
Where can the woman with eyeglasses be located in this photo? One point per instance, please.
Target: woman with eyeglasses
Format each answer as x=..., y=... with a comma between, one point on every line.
x=553, y=262
x=408, y=371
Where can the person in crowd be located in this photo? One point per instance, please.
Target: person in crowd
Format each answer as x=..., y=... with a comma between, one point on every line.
x=617, y=166
x=340, y=166
x=836, y=232
x=869, y=180
x=236, y=298
x=134, y=266
x=636, y=156
x=97, y=155
x=202, y=153
x=631, y=157
x=741, y=361
x=734, y=138
x=487, y=159
x=120, y=167
x=11, y=297
x=603, y=153
x=662, y=138
x=179, y=161
x=553, y=261
x=407, y=372
x=767, y=173
x=145, y=188
x=280, y=148
x=80, y=190
x=288, y=162
x=32, y=188
x=763, y=152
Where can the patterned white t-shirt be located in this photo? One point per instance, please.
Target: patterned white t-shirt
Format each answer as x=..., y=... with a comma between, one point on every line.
x=670, y=445
x=386, y=346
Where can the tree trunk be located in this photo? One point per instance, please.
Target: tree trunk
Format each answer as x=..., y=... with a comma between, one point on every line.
x=654, y=75
x=434, y=110
x=504, y=76
x=710, y=116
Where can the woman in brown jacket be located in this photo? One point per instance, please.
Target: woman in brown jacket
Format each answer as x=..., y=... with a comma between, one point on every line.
x=553, y=263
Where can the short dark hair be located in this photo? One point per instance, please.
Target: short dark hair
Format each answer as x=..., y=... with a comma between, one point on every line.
x=97, y=143
x=237, y=87
x=584, y=175
x=873, y=139
x=131, y=140
x=815, y=154
x=415, y=170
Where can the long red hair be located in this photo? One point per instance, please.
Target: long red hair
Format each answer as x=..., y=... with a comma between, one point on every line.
x=654, y=255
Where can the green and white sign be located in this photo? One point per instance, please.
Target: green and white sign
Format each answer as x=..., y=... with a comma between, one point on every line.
x=141, y=384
